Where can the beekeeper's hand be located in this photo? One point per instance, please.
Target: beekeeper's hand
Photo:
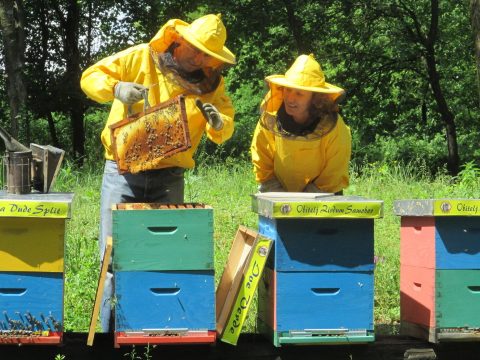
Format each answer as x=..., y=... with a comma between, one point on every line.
x=211, y=114
x=272, y=185
x=129, y=93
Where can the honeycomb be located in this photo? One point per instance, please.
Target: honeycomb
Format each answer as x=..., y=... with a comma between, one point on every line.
x=141, y=141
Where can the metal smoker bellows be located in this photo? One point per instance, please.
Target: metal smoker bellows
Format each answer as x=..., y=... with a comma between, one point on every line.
x=18, y=170
x=26, y=168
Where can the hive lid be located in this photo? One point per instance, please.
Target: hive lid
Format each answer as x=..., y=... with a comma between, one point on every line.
x=437, y=207
x=315, y=205
x=41, y=205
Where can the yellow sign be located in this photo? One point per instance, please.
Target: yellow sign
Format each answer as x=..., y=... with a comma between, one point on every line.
x=327, y=210
x=456, y=207
x=28, y=208
x=246, y=291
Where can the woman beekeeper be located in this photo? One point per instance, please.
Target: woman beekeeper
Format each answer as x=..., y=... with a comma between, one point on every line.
x=301, y=143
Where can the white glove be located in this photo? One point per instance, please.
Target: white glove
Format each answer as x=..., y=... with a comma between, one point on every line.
x=129, y=93
x=311, y=188
x=211, y=114
x=272, y=185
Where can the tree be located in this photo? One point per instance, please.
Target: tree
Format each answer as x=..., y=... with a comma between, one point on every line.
x=475, y=13
x=427, y=41
x=12, y=22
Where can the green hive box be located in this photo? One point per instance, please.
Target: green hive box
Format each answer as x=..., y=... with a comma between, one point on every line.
x=143, y=240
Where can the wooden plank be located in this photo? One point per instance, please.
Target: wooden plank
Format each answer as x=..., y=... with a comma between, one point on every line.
x=99, y=294
x=190, y=338
x=51, y=338
x=157, y=206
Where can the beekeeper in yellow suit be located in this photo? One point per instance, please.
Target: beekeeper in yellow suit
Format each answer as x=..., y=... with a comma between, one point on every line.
x=181, y=59
x=301, y=143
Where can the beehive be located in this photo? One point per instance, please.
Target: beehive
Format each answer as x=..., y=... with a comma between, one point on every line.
x=32, y=230
x=440, y=268
x=318, y=285
x=164, y=273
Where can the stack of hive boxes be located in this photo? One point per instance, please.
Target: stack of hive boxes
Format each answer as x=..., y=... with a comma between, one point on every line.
x=440, y=269
x=32, y=231
x=318, y=284
x=164, y=273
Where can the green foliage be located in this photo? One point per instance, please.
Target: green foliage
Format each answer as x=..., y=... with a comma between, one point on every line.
x=467, y=181
x=407, y=149
x=147, y=353
x=373, y=50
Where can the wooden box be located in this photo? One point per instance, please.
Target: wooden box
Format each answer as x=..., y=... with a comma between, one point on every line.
x=239, y=281
x=159, y=237
x=438, y=304
x=173, y=300
x=31, y=301
x=311, y=300
x=31, y=244
x=313, y=307
x=320, y=244
x=440, y=242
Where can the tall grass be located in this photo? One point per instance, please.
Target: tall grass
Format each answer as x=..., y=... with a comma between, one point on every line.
x=227, y=188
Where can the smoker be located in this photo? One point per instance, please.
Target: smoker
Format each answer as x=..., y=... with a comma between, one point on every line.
x=26, y=169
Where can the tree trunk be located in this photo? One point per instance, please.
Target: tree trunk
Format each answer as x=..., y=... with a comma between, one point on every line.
x=70, y=26
x=475, y=13
x=296, y=26
x=434, y=79
x=12, y=22
x=45, y=105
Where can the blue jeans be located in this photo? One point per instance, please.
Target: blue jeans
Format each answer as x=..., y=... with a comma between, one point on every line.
x=154, y=186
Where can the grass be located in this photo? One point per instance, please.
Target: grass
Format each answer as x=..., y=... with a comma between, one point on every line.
x=227, y=188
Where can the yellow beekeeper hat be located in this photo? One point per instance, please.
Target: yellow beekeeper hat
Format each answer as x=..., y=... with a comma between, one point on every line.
x=208, y=34
x=306, y=74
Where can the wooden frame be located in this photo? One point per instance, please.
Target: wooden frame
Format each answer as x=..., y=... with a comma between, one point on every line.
x=140, y=142
x=242, y=272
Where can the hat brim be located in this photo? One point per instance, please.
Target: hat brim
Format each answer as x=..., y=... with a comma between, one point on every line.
x=224, y=54
x=326, y=89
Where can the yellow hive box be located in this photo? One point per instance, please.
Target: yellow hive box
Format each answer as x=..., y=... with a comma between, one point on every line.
x=32, y=231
